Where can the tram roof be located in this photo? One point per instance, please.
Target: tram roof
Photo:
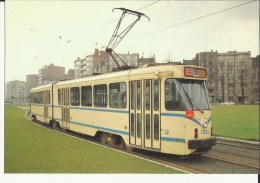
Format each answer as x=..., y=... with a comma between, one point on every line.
x=177, y=71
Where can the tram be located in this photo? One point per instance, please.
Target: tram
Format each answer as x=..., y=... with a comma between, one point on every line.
x=163, y=108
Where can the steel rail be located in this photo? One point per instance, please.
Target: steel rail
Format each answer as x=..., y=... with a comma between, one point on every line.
x=241, y=145
x=231, y=162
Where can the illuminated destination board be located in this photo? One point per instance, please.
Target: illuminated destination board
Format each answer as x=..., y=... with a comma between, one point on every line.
x=195, y=72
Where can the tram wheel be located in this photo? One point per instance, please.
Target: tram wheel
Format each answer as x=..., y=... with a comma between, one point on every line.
x=103, y=138
x=56, y=125
x=33, y=118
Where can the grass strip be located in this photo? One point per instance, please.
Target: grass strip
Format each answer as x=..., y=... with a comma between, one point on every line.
x=32, y=149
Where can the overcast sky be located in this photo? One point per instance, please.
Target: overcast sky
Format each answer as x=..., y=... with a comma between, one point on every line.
x=44, y=32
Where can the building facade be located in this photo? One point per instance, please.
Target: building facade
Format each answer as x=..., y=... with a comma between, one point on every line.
x=101, y=62
x=145, y=61
x=209, y=60
x=255, y=79
x=31, y=82
x=16, y=90
x=50, y=73
x=129, y=59
x=69, y=75
x=229, y=75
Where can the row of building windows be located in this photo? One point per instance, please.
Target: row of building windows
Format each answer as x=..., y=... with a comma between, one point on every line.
x=83, y=95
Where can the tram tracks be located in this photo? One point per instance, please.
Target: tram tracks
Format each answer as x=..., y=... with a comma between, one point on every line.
x=244, y=153
x=254, y=146
x=246, y=162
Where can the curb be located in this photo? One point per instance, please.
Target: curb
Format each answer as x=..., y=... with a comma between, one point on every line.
x=238, y=140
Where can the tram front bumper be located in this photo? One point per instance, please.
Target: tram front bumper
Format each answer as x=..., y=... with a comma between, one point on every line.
x=206, y=143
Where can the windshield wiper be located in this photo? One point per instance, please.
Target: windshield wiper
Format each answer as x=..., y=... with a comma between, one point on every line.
x=188, y=97
x=190, y=100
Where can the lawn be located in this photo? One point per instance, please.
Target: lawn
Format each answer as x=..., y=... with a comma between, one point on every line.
x=32, y=149
x=236, y=121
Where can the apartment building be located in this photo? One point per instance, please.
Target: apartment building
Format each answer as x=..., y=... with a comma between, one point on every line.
x=101, y=62
x=16, y=90
x=50, y=73
x=229, y=75
x=129, y=59
x=255, y=79
x=69, y=75
x=31, y=82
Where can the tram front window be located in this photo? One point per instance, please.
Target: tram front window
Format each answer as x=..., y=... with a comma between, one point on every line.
x=181, y=94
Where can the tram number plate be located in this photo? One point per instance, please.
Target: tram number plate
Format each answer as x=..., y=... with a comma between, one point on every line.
x=204, y=132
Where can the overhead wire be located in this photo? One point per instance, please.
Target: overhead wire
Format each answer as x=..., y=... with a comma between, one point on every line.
x=195, y=19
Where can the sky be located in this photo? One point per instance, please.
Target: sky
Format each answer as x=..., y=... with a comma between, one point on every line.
x=39, y=33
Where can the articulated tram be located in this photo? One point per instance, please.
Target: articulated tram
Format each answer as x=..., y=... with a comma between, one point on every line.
x=163, y=108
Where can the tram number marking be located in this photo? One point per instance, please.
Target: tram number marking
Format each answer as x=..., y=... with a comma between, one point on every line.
x=204, y=132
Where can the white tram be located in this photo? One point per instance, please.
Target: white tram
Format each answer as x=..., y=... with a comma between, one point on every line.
x=161, y=108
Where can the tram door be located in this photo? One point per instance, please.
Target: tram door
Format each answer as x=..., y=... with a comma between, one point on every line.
x=65, y=110
x=145, y=113
x=46, y=102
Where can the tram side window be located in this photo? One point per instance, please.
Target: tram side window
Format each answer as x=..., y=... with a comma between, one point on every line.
x=117, y=95
x=34, y=98
x=100, y=95
x=39, y=97
x=31, y=98
x=59, y=97
x=173, y=99
x=49, y=97
x=139, y=95
x=86, y=96
x=74, y=96
x=156, y=95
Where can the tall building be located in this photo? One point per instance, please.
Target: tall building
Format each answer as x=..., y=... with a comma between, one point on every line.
x=77, y=68
x=69, y=75
x=101, y=62
x=129, y=59
x=209, y=60
x=50, y=73
x=83, y=67
x=255, y=79
x=16, y=90
x=229, y=75
x=31, y=82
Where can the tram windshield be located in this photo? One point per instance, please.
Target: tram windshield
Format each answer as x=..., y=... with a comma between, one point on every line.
x=183, y=94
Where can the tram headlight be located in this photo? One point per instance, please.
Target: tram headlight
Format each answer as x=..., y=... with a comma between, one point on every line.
x=166, y=131
x=205, y=125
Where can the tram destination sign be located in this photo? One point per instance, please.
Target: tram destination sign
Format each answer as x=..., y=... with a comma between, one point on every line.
x=195, y=72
